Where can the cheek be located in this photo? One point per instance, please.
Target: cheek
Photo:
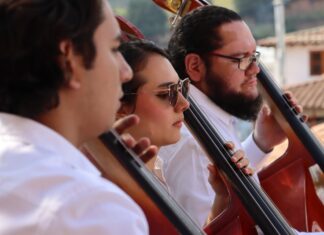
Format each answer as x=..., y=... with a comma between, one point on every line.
x=234, y=80
x=148, y=110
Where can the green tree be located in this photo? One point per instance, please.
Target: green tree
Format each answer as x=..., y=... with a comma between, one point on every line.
x=225, y=3
x=149, y=18
x=258, y=14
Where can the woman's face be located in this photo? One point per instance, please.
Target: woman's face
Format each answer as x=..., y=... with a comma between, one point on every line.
x=159, y=120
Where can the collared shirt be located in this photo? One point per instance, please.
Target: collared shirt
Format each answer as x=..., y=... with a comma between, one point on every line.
x=47, y=186
x=185, y=163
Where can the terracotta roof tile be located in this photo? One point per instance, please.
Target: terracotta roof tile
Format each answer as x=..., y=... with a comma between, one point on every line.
x=306, y=37
x=309, y=94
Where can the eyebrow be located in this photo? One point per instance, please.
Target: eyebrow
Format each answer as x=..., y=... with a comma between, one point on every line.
x=166, y=84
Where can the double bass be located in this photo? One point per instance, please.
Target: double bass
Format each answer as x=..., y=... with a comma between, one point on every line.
x=288, y=180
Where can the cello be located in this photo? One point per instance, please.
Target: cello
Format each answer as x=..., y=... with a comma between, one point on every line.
x=290, y=175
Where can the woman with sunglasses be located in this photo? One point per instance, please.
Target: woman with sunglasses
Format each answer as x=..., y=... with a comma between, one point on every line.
x=157, y=96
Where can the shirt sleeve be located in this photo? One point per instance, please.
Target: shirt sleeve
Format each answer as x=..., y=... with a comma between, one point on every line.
x=99, y=211
x=253, y=152
x=186, y=176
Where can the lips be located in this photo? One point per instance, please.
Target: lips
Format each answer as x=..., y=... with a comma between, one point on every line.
x=251, y=82
x=178, y=123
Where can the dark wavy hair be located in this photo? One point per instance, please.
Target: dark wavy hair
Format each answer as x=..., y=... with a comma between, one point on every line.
x=136, y=53
x=30, y=33
x=197, y=32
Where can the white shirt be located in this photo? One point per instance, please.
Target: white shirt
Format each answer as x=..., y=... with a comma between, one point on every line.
x=185, y=163
x=47, y=186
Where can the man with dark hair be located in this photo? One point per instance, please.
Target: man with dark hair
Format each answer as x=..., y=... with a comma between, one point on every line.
x=60, y=85
x=215, y=48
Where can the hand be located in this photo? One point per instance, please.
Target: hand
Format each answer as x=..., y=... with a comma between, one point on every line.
x=215, y=179
x=240, y=161
x=267, y=132
x=141, y=147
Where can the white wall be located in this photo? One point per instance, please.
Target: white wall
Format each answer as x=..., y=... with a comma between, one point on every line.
x=297, y=63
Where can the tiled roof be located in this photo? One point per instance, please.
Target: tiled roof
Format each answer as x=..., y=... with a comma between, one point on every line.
x=306, y=37
x=309, y=94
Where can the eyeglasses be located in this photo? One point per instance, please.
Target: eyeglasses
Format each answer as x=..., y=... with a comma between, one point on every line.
x=243, y=63
x=171, y=92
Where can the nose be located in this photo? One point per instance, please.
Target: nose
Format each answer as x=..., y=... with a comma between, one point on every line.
x=253, y=69
x=182, y=103
x=126, y=72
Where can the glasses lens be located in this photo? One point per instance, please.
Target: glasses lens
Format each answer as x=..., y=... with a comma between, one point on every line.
x=173, y=95
x=182, y=86
x=185, y=87
x=247, y=61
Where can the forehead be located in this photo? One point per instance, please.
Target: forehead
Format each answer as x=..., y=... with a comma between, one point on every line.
x=109, y=25
x=237, y=37
x=158, y=70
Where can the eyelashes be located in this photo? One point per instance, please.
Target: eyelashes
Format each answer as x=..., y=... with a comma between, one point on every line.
x=163, y=96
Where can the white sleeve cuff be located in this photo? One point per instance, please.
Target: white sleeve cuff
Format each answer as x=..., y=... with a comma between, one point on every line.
x=252, y=151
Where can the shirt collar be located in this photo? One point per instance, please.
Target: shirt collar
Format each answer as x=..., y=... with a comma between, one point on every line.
x=28, y=131
x=210, y=108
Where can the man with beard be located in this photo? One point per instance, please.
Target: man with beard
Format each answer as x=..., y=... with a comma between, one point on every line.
x=215, y=48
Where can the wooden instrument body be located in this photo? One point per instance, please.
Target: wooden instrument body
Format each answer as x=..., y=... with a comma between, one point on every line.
x=288, y=180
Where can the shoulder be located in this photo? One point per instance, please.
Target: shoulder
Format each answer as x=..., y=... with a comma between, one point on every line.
x=70, y=200
x=101, y=208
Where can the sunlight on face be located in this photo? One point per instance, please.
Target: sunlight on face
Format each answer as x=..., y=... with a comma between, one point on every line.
x=160, y=121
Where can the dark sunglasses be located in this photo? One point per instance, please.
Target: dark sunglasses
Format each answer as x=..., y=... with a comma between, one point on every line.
x=171, y=92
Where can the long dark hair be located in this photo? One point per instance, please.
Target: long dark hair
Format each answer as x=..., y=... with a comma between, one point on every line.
x=136, y=53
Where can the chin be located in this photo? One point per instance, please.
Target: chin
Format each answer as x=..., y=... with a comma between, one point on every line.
x=171, y=140
x=252, y=94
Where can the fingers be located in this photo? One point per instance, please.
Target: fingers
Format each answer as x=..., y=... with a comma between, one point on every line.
x=126, y=122
x=298, y=108
x=142, y=147
x=305, y=117
x=128, y=140
x=212, y=170
x=294, y=103
x=242, y=162
x=290, y=98
x=216, y=181
x=230, y=145
x=149, y=153
x=265, y=111
x=248, y=171
x=238, y=158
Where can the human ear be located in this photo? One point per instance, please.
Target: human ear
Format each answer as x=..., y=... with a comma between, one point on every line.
x=195, y=67
x=68, y=62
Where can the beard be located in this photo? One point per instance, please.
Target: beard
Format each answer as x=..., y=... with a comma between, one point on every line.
x=235, y=103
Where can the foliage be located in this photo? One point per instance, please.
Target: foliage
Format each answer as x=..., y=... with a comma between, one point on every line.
x=225, y=3
x=150, y=19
